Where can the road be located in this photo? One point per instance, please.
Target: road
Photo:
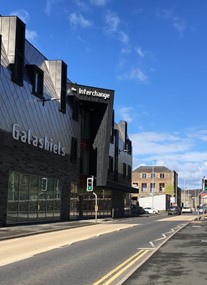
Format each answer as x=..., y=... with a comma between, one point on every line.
x=97, y=254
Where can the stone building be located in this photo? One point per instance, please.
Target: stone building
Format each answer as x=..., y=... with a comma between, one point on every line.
x=155, y=180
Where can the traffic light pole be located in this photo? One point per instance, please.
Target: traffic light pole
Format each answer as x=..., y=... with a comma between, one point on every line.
x=96, y=206
x=89, y=188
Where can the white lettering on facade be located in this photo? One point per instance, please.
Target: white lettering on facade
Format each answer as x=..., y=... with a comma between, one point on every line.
x=94, y=93
x=43, y=143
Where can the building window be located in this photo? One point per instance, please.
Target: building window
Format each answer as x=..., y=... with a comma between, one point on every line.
x=111, y=162
x=33, y=198
x=129, y=172
x=74, y=149
x=162, y=175
x=36, y=77
x=124, y=170
x=144, y=187
x=112, y=129
x=152, y=175
x=144, y=175
x=128, y=146
x=37, y=88
x=161, y=187
x=75, y=109
x=152, y=187
x=85, y=125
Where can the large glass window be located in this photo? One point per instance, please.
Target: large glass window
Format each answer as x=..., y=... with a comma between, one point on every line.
x=33, y=198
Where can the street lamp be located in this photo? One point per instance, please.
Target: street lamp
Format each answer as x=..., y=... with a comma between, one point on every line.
x=153, y=182
x=43, y=100
x=184, y=191
x=123, y=150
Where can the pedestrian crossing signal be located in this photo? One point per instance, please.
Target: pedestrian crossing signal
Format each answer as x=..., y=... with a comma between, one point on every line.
x=89, y=184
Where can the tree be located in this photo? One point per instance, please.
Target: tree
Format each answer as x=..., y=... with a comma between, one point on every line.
x=169, y=189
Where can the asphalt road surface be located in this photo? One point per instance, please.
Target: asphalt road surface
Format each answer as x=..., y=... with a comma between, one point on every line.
x=97, y=254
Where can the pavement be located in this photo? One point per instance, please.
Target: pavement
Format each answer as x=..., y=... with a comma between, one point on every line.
x=181, y=260
x=18, y=231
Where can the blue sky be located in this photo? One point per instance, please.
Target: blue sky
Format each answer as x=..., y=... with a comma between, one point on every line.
x=153, y=53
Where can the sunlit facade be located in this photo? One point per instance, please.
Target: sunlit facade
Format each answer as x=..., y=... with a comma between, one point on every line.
x=53, y=135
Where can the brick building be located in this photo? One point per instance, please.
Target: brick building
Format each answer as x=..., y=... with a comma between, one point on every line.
x=156, y=180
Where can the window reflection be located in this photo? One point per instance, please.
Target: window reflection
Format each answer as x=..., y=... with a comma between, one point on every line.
x=33, y=198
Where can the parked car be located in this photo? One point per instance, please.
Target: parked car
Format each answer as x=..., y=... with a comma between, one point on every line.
x=202, y=209
x=174, y=210
x=149, y=210
x=187, y=210
x=137, y=210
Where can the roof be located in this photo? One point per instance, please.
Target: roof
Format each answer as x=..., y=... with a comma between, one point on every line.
x=150, y=169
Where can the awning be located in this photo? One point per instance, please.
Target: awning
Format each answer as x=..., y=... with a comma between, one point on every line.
x=120, y=187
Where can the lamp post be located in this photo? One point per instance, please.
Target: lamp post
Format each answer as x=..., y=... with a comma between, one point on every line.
x=153, y=182
x=184, y=191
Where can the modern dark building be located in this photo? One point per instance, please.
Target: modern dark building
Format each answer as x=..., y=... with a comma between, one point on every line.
x=53, y=135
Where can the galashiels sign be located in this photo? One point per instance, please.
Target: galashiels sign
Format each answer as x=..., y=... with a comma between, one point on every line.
x=43, y=143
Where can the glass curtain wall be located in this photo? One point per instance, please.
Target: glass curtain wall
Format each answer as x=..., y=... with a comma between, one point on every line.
x=33, y=198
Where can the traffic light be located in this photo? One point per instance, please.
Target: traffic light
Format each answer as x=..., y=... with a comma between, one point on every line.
x=205, y=184
x=89, y=184
x=44, y=184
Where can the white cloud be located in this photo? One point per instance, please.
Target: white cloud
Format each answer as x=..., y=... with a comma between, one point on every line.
x=25, y=17
x=140, y=52
x=137, y=73
x=126, y=50
x=82, y=5
x=158, y=143
x=99, y=2
x=49, y=6
x=22, y=14
x=200, y=134
x=126, y=113
x=112, y=22
x=174, y=151
x=78, y=20
x=31, y=35
x=178, y=23
x=113, y=27
x=123, y=37
x=134, y=74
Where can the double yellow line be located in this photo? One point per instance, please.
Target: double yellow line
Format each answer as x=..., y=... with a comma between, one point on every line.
x=116, y=272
